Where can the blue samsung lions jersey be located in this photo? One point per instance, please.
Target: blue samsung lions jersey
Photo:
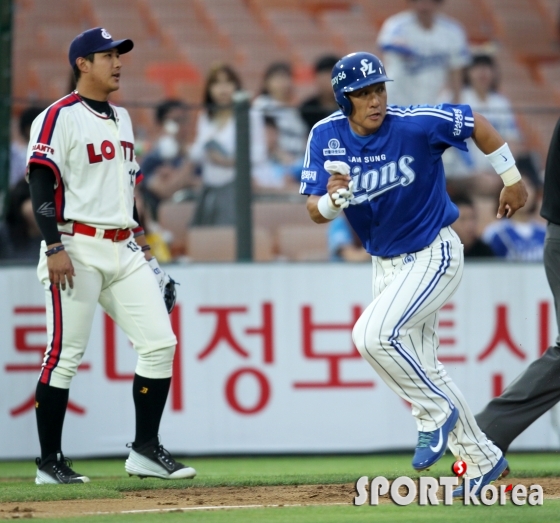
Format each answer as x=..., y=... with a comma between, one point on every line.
x=400, y=202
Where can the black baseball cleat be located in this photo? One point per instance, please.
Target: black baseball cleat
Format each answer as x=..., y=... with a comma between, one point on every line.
x=151, y=460
x=56, y=469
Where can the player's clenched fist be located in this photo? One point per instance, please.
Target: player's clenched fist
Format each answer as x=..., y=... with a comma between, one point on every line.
x=340, y=184
x=512, y=198
x=60, y=269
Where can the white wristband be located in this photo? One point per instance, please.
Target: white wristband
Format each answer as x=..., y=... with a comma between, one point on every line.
x=327, y=208
x=501, y=159
x=511, y=176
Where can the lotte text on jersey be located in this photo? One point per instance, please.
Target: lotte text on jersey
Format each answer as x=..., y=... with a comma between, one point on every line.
x=93, y=160
x=400, y=201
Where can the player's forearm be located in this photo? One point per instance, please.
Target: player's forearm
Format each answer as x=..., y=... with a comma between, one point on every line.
x=486, y=138
x=139, y=235
x=313, y=209
x=41, y=186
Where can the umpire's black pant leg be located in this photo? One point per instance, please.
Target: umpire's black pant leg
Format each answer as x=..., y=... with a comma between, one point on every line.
x=537, y=389
x=526, y=399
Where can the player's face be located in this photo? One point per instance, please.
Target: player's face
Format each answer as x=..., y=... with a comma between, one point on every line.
x=105, y=71
x=369, y=107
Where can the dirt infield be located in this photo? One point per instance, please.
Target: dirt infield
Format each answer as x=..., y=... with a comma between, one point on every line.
x=189, y=498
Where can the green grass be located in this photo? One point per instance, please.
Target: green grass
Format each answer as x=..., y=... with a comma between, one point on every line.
x=549, y=512
x=109, y=478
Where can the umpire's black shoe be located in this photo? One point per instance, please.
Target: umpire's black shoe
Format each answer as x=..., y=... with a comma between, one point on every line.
x=152, y=460
x=56, y=469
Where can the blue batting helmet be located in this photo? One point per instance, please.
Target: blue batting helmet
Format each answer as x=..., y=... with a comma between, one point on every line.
x=352, y=72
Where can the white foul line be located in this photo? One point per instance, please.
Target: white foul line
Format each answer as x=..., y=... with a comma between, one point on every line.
x=210, y=507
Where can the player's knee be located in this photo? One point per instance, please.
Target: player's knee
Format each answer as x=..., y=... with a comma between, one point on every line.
x=157, y=363
x=366, y=337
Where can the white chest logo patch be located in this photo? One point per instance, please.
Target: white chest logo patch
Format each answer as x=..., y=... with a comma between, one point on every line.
x=334, y=148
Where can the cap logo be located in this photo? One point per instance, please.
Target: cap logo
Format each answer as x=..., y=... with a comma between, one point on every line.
x=367, y=68
x=105, y=34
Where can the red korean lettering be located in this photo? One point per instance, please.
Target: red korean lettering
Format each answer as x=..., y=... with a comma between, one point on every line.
x=264, y=391
x=447, y=340
x=497, y=385
x=23, y=344
x=223, y=332
x=501, y=336
x=544, y=327
x=333, y=360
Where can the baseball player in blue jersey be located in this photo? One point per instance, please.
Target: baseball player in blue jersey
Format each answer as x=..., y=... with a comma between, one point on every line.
x=382, y=165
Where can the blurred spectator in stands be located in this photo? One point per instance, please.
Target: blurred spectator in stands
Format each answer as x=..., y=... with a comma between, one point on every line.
x=214, y=148
x=18, y=148
x=166, y=167
x=470, y=170
x=282, y=170
x=466, y=228
x=343, y=242
x=424, y=52
x=520, y=238
x=322, y=104
x=276, y=100
x=20, y=237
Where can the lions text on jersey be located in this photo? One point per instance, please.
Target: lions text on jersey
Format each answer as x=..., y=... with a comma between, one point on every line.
x=400, y=202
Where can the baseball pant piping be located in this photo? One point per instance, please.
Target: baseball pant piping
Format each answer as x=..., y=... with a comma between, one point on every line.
x=408, y=297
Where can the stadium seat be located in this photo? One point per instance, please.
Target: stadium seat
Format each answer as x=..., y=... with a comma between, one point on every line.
x=353, y=31
x=475, y=17
x=175, y=218
x=207, y=244
x=307, y=39
x=303, y=243
x=525, y=29
x=270, y=215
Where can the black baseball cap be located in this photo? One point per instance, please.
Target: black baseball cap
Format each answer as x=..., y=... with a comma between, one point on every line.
x=96, y=40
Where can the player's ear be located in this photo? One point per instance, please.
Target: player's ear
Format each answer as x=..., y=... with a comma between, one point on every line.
x=83, y=64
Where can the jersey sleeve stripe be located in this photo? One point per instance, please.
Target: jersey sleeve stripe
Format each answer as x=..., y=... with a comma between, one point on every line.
x=307, y=157
x=407, y=110
x=139, y=176
x=423, y=113
x=49, y=122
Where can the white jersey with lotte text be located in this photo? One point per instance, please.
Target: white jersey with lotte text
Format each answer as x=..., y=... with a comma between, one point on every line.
x=93, y=160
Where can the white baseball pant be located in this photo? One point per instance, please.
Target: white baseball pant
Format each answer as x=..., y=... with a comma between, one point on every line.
x=117, y=276
x=397, y=335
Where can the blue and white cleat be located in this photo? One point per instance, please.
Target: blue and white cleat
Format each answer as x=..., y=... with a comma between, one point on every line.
x=432, y=445
x=475, y=484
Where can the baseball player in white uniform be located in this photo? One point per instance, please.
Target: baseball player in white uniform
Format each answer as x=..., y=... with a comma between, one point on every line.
x=82, y=172
x=424, y=52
